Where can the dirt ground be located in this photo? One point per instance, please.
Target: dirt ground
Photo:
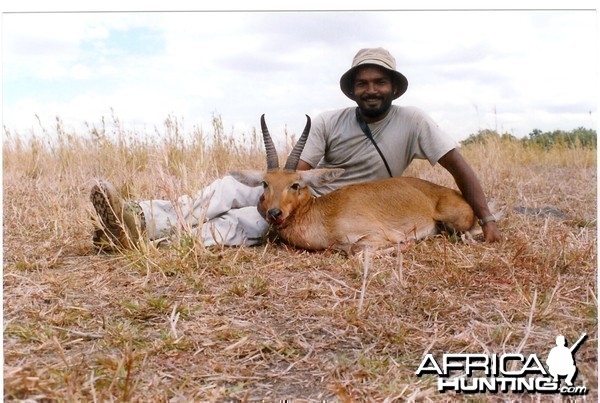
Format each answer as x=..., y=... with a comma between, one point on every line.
x=271, y=322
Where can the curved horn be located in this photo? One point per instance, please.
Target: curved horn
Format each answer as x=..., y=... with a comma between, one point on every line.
x=272, y=159
x=294, y=157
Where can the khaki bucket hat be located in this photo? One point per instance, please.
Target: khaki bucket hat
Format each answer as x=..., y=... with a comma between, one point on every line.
x=375, y=56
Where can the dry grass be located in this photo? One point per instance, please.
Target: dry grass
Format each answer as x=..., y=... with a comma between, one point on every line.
x=270, y=322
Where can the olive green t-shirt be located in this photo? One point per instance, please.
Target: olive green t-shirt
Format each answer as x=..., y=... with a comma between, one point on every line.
x=337, y=141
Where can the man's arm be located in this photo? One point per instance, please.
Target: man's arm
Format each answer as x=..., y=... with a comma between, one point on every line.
x=303, y=166
x=469, y=185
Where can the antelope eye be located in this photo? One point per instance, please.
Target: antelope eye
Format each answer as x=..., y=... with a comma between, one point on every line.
x=295, y=186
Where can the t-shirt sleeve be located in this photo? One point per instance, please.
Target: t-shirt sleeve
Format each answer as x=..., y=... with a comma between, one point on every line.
x=432, y=142
x=315, y=147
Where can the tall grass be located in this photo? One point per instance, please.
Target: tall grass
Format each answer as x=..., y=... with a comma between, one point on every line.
x=141, y=163
x=271, y=322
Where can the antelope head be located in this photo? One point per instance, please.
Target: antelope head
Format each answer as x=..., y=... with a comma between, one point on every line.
x=286, y=191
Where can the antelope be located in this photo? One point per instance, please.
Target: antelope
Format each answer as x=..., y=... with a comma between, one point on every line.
x=377, y=214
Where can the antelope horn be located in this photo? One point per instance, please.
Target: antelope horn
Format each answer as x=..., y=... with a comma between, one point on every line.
x=294, y=158
x=272, y=159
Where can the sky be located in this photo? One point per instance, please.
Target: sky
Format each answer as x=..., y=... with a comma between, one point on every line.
x=507, y=70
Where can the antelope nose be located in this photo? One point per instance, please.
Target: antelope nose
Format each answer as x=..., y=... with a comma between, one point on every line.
x=274, y=213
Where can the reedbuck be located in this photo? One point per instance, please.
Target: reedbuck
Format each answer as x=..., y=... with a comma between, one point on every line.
x=376, y=214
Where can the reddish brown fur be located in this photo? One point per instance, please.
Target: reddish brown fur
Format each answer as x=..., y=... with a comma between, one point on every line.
x=375, y=214
x=371, y=214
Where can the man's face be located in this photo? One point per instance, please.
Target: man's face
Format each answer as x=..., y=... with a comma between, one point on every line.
x=373, y=92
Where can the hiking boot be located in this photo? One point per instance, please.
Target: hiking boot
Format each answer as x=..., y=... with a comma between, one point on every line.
x=121, y=222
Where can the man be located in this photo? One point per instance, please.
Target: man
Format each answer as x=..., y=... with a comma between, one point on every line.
x=373, y=141
x=560, y=360
x=402, y=134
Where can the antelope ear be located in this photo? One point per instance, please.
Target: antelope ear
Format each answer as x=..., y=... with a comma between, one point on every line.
x=319, y=177
x=250, y=178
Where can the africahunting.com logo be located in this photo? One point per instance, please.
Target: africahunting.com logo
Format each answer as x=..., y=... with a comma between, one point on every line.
x=507, y=372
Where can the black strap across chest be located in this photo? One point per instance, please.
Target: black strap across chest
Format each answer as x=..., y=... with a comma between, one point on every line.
x=365, y=128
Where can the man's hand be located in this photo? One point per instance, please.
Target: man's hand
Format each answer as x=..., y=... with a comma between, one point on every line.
x=469, y=186
x=491, y=232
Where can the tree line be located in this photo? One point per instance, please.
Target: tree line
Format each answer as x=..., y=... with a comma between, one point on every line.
x=576, y=138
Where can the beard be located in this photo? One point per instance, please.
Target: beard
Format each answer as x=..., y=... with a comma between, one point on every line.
x=374, y=110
